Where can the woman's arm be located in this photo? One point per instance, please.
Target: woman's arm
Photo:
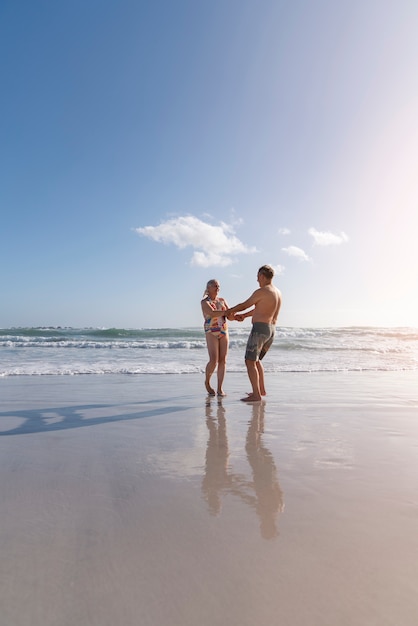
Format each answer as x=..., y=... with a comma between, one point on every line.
x=209, y=312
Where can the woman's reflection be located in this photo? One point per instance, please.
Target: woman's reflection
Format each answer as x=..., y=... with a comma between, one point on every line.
x=262, y=491
x=216, y=477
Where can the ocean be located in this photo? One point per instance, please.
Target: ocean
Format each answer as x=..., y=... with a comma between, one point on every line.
x=100, y=351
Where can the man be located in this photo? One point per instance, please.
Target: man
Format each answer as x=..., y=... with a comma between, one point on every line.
x=265, y=303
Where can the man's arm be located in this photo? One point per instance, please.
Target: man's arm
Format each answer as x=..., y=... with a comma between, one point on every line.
x=247, y=314
x=277, y=311
x=250, y=302
x=240, y=317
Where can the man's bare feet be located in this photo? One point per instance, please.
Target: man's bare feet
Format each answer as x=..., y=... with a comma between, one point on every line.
x=209, y=389
x=221, y=393
x=251, y=398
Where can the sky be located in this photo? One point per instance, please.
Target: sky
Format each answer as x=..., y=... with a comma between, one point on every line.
x=147, y=147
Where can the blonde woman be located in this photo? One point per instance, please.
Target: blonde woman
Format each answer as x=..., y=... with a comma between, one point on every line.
x=216, y=332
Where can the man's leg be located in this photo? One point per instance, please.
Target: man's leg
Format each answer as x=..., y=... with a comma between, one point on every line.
x=253, y=375
x=260, y=367
x=260, y=370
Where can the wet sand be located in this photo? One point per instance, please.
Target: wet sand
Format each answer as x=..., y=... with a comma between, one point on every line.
x=141, y=501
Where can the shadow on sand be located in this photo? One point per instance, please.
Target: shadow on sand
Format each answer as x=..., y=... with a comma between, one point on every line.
x=76, y=416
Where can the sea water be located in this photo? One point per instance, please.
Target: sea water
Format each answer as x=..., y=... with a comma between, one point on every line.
x=71, y=351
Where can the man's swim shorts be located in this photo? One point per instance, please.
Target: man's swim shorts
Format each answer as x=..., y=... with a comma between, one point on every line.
x=259, y=341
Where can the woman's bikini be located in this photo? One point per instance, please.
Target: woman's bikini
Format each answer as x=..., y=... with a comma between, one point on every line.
x=216, y=325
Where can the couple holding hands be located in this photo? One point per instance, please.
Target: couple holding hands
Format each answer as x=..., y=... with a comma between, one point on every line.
x=264, y=306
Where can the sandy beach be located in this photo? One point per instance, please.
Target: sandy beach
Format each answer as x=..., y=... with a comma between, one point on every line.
x=137, y=500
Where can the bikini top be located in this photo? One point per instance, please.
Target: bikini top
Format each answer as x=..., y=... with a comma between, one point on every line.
x=215, y=323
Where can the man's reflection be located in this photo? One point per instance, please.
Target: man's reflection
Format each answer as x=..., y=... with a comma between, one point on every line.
x=268, y=495
x=262, y=491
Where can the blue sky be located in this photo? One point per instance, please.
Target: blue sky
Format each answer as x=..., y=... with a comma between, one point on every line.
x=147, y=147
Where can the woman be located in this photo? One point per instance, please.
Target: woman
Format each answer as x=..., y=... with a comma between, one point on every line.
x=216, y=331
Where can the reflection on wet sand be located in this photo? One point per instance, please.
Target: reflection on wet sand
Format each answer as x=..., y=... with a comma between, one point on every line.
x=268, y=495
x=262, y=491
x=216, y=479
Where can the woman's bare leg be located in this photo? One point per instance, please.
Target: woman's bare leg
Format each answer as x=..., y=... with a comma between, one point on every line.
x=223, y=351
x=213, y=349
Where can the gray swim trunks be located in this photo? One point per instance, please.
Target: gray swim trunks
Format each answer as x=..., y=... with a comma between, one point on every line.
x=259, y=341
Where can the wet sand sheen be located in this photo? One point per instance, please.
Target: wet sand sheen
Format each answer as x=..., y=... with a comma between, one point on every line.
x=139, y=500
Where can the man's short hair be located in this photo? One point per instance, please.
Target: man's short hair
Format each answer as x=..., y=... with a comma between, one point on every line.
x=267, y=271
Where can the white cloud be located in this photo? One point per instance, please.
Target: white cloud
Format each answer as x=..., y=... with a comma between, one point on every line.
x=213, y=245
x=209, y=259
x=284, y=231
x=296, y=252
x=278, y=270
x=327, y=238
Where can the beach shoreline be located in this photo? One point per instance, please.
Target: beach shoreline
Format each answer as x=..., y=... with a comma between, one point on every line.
x=138, y=499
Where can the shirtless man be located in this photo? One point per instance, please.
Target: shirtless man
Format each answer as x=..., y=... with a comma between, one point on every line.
x=265, y=305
